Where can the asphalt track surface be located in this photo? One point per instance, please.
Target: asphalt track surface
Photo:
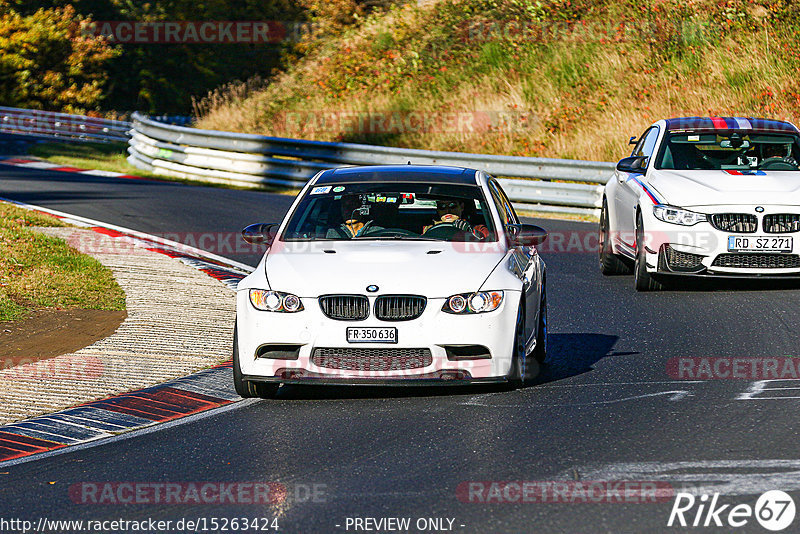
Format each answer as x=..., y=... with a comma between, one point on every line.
x=605, y=408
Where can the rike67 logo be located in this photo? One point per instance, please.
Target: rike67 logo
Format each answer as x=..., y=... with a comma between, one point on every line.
x=774, y=510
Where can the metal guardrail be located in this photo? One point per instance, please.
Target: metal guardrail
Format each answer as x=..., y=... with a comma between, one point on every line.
x=255, y=160
x=252, y=160
x=61, y=125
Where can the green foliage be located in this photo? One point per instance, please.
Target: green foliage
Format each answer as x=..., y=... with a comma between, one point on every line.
x=40, y=271
x=46, y=63
x=384, y=41
x=578, y=76
x=163, y=78
x=494, y=54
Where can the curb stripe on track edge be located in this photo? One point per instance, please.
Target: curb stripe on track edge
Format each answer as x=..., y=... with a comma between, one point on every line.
x=202, y=391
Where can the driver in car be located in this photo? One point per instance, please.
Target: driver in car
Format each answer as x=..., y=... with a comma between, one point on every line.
x=450, y=212
x=776, y=152
x=354, y=214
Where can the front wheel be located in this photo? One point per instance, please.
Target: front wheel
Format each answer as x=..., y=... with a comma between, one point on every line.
x=642, y=278
x=540, y=351
x=610, y=263
x=523, y=368
x=245, y=388
x=517, y=378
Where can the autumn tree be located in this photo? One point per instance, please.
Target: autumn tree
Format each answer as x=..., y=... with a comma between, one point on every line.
x=46, y=62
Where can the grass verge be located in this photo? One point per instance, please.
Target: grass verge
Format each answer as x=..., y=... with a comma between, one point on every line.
x=558, y=215
x=552, y=78
x=37, y=271
x=100, y=156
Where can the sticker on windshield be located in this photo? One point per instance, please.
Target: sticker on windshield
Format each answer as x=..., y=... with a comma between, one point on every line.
x=338, y=189
x=321, y=190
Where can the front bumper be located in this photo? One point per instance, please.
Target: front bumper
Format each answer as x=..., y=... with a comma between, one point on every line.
x=433, y=331
x=702, y=250
x=333, y=380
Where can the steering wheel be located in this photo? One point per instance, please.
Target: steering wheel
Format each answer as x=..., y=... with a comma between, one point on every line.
x=777, y=164
x=391, y=232
x=444, y=231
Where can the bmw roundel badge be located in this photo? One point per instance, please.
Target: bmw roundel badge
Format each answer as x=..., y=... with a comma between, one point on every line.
x=372, y=288
x=759, y=209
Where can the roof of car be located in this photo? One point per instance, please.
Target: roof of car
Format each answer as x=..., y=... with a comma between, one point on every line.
x=693, y=124
x=399, y=173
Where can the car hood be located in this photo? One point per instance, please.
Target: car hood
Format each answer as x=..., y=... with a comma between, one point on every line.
x=708, y=188
x=436, y=270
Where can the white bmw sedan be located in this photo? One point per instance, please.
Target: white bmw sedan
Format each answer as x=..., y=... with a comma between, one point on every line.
x=393, y=275
x=700, y=197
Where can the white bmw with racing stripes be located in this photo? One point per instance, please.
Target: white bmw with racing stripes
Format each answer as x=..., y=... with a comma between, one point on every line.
x=716, y=196
x=393, y=275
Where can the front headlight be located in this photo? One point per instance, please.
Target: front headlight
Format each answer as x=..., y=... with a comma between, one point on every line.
x=480, y=302
x=275, y=301
x=678, y=216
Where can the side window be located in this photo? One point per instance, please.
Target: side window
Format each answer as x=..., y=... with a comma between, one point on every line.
x=498, y=203
x=511, y=215
x=507, y=213
x=647, y=143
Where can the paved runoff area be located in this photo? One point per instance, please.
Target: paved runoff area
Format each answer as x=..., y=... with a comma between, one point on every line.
x=180, y=321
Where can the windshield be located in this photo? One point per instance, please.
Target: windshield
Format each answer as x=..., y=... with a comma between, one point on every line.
x=402, y=211
x=737, y=151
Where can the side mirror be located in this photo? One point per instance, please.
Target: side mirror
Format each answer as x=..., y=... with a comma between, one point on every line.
x=634, y=164
x=260, y=234
x=526, y=235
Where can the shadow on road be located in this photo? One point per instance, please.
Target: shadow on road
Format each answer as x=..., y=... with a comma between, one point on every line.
x=574, y=354
x=320, y=392
x=568, y=355
x=738, y=284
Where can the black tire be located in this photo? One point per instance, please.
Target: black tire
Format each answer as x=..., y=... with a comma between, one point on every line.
x=643, y=279
x=517, y=378
x=540, y=351
x=245, y=388
x=610, y=263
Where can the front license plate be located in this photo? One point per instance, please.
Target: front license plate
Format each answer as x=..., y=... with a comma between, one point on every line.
x=360, y=334
x=760, y=244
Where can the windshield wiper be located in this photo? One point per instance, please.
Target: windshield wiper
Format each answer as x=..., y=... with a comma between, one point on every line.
x=397, y=238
